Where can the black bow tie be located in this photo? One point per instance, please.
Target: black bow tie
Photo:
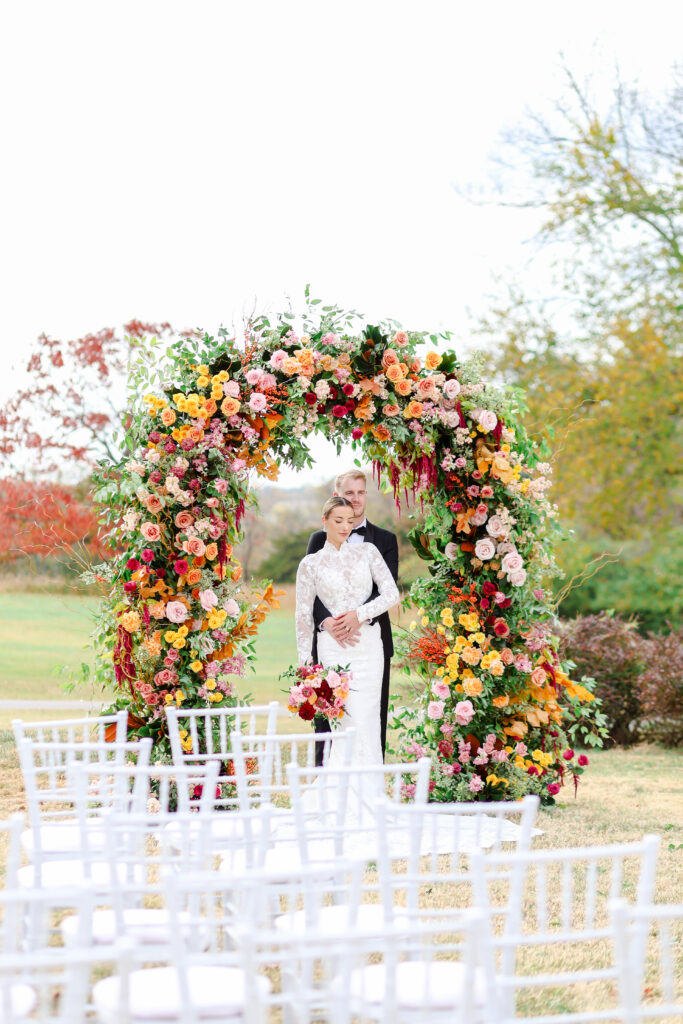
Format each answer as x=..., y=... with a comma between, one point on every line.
x=358, y=529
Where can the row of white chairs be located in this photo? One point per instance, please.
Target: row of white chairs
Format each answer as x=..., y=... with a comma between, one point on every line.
x=134, y=848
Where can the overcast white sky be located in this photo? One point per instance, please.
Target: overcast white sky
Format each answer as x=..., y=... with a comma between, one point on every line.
x=191, y=161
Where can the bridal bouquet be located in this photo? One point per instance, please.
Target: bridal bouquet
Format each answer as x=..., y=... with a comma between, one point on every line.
x=318, y=692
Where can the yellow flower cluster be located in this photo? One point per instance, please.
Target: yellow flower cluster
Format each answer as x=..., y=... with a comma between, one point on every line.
x=493, y=780
x=216, y=618
x=177, y=637
x=470, y=621
x=542, y=757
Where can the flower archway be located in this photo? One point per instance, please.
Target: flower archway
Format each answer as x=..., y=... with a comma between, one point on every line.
x=492, y=702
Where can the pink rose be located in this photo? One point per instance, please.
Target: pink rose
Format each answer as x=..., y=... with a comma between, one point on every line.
x=231, y=607
x=517, y=578
x=153, y=503
x=194, y=546
x=216, y=528
x=506, y=656
x=400, y=339
x=171, y=655
x=267, y=382
x=221, y=486
x=231, y=389
x=538, y=676
x=464, y=712
x=207, y=599
x=553, y=788
x=258, y=402
x=484, y=548
x=254, y=376
x=176, y=611
x=451, y=551
x=487, y=491
x=212, y=502
x=277, y=359
x=475, y=784
x=167, y=677
x=512, y=562
x=451, y=388
x=583, y=760
x=496, y=527
x=460, y=462
x=522, y=663
x=183, y=520
x=435, y=710
x=151, y=532
x=538, y=593
x=487, y=420
x=440, y=689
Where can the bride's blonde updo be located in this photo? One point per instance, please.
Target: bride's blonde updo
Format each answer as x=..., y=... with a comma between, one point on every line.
x=335, y=502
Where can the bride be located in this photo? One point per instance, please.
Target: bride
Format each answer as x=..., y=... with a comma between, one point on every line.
x=342, y=575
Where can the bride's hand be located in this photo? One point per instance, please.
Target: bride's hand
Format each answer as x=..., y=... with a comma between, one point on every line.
x=339, y=631
x=348, y=627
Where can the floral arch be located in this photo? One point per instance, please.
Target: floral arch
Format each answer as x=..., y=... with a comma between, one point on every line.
x=492, y=701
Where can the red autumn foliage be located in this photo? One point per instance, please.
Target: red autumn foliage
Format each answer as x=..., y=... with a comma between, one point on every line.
x=73, y=402
x=45, y=519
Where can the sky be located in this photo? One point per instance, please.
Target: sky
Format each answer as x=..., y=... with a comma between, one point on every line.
x=195, y=162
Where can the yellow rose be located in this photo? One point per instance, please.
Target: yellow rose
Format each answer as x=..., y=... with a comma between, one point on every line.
x=179, y=643
x=210, y=684
x=202, y=382
x=170, y=636
x=217, y=392
x=203, y=369
x=196, y=666
x=432, y=360
x=223, y=376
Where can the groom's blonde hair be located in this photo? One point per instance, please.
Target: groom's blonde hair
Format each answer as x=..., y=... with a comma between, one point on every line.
x=349, y=474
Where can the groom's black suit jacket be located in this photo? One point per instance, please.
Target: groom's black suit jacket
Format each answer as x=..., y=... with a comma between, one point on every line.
x=387, y=545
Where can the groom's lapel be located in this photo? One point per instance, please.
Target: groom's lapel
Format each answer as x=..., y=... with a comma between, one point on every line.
x=369, y=535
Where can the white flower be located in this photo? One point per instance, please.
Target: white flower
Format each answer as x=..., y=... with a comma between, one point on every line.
x=517, y=578
x=451, y=389
x=484, y=548
x=451, y=550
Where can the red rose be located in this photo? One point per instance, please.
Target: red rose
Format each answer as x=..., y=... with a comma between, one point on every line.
x=132, y=564
x=181, y=566
x=306, y=712
x=350, y=405
x=532, y=770
x=501, y=628
x=333, y=392
x=348, y=389
x=356, y=433
x=553, y=788
x=130, y=587
x=147, y=555
x=310, y=397
x=321, y=407
x=583, y=760
x=484, y=603
x=489, y=588
x=339, y=411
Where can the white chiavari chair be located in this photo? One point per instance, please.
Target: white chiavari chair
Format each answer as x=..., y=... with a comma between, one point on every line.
x=11, y=830
x=649, y=954
x=158, y=822
x=54, y=842
x=94, y=729
x=552, y=932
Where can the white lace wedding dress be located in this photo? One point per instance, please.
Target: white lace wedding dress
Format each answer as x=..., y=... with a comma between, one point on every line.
x=343, y=580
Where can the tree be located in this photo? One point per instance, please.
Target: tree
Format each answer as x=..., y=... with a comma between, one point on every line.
x=67, y=415
x=46, y=519
x=601, y=368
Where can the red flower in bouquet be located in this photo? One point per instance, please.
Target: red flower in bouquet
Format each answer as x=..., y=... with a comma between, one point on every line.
x=318, y=692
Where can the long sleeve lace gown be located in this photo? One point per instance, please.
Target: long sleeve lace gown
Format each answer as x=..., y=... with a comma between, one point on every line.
x=343, y=581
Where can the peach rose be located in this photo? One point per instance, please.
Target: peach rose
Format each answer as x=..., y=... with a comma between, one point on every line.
x=193, y=577
x=157, y=609
x=230, y=406
x=291, y=366
x=432, y=360
x=211, y=551
x=400, y=339
x=150, y=531
x=389, y=358
x=506, y=656
x=472, y=686
x=425, y=387
x=183, y=520
x=394, y=373
x=413, y=410
x=390, y=410
x=538, y=676
x=194, y=546
x=415, y=365
x=403, y=387
x=168, y=417
x=153, y=504
x=496, y=668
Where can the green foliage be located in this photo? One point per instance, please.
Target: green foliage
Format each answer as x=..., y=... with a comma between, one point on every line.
x=283, y=561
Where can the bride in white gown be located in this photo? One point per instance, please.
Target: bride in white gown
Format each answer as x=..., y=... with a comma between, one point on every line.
x=342, y=576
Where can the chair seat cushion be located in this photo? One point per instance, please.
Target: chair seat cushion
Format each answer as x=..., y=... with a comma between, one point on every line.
x=154, y=994
x=437, y=984
x=335, y=920
x=61, y=874
x=62, y=838
x=22, y=999
x=145, y=925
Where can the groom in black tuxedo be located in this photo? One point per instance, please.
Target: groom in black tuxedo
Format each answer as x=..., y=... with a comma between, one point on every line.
x=352, y=485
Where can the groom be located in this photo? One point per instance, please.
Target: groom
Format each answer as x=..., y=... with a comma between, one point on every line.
x=352, y=485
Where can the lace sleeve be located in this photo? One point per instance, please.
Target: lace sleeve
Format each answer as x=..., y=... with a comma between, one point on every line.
x=305, y=596
x=388, y=591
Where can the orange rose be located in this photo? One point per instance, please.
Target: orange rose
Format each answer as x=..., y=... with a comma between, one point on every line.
x=167, y=417
x=389, y=358
x=236, y=574
x=403, y=387
x=230, y=406
x=196, y=434
x=394, y=373
x=211, y=551
x=501, y=702
x=193, y=577
x=413, y=410
x=210, y=407
x=415, y=365
x=390, y=410
x=381, y=432
x=432, y=360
